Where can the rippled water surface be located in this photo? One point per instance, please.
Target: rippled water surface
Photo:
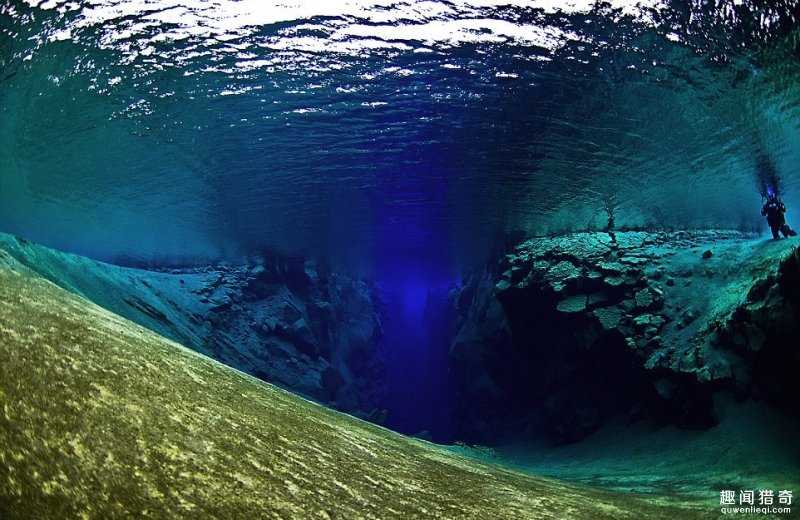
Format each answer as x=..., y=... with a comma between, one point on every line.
x=376, y=131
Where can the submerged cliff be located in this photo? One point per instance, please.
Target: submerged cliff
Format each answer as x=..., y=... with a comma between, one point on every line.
x=571, y=330
x=102, y=418
x=280, y=319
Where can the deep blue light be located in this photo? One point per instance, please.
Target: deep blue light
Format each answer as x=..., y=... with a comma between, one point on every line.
x=414, y=269
x=415, y=347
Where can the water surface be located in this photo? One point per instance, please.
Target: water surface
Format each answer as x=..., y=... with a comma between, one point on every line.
x=373, y=129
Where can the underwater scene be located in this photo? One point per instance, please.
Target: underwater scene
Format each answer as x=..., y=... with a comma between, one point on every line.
x=449, y=259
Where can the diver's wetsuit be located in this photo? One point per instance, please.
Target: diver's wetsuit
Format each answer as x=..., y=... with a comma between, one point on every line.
x=774, y=210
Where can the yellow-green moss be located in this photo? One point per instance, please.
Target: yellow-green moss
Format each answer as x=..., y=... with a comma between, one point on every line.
x=100, y=418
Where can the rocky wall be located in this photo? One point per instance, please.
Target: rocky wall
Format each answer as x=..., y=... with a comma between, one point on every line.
x=569, y=331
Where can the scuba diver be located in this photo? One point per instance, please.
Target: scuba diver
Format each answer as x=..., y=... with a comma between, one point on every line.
x=774, y=209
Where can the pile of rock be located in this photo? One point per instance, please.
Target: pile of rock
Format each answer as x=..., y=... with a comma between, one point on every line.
x=600, y=279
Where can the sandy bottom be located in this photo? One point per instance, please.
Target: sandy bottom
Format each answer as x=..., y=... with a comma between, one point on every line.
x=753, y=447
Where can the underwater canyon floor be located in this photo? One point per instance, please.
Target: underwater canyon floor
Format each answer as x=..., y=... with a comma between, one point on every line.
x=751, y=447
x=105, y=419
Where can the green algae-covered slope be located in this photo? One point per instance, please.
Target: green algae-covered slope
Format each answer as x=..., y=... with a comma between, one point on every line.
x=101, y=418
x=162, y=302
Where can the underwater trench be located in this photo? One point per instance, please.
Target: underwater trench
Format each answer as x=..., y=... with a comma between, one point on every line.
x=451, y=360
x=418, y=391
x=474, y=361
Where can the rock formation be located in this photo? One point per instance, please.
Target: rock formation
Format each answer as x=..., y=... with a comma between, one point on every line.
x=562, y=334
x=581, y=327
x=279, y=319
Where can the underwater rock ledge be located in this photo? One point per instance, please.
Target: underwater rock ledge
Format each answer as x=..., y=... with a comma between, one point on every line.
x=102, y=418
x=570, y=330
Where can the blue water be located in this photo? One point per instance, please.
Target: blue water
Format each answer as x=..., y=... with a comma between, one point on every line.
x=404, y=141
x=435, y=129
x=419, y=395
